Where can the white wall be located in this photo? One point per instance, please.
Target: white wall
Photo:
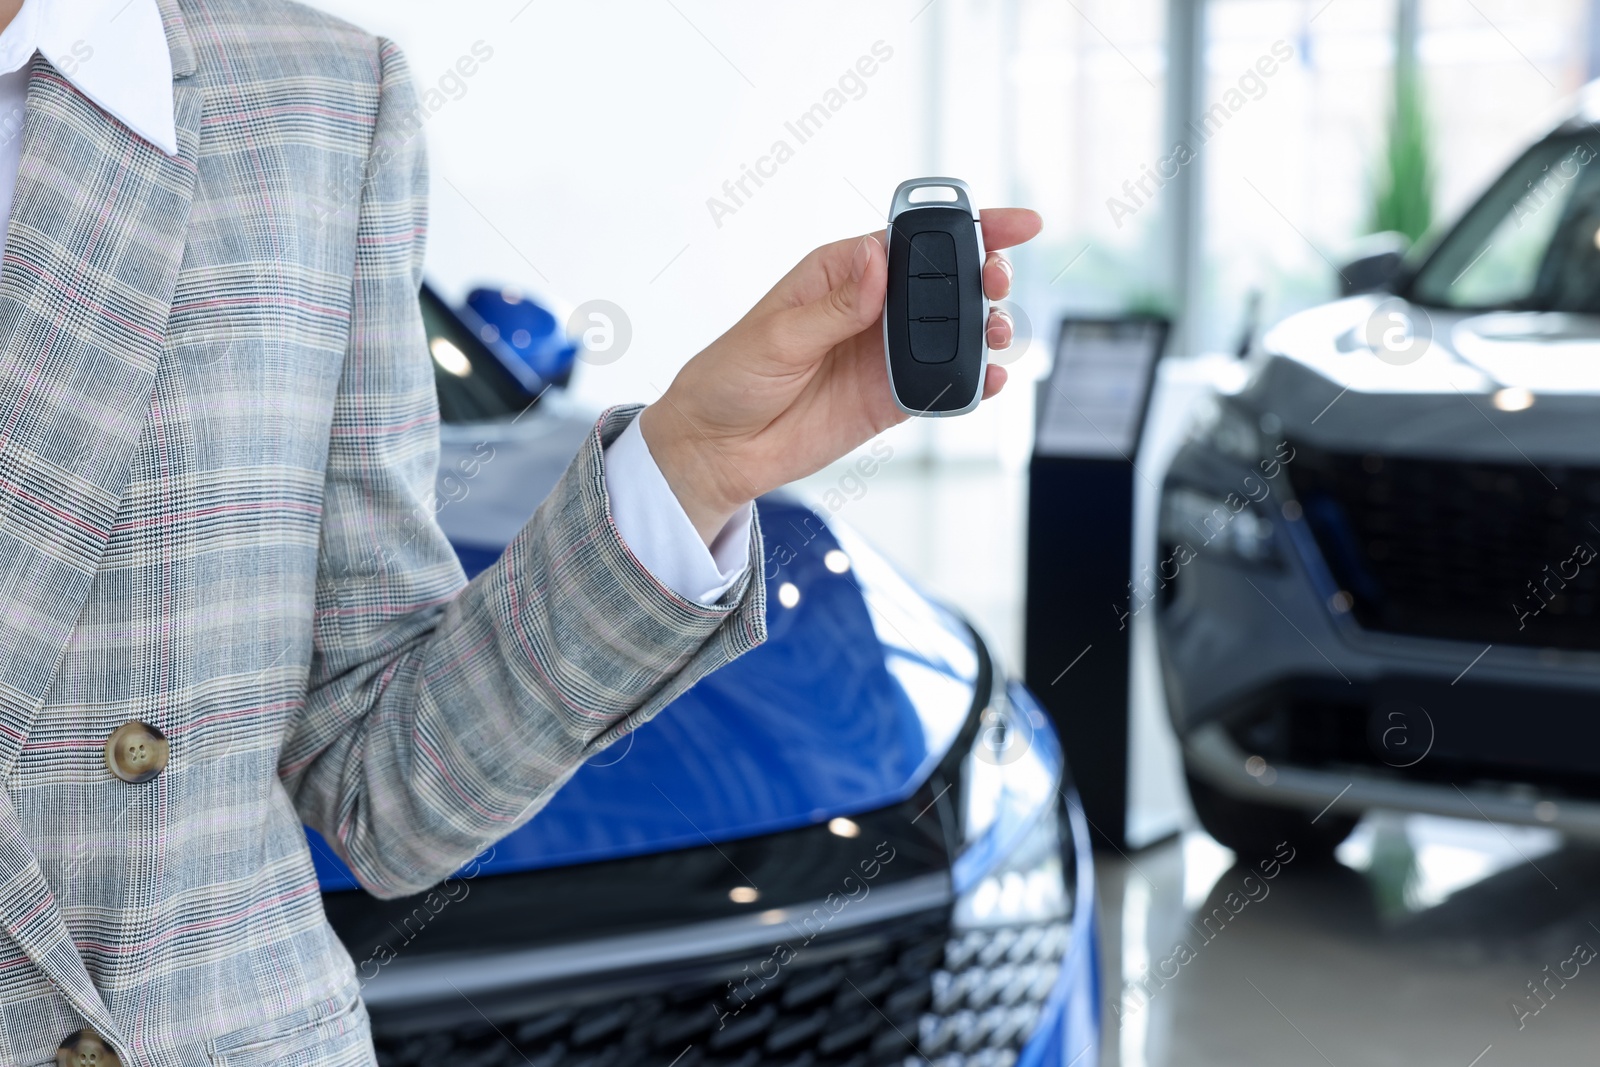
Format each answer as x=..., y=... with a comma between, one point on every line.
x=579, y=160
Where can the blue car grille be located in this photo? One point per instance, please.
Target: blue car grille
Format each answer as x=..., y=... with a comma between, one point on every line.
x=914, y=995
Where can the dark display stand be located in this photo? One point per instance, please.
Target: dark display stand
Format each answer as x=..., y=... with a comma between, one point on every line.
x=1080, y=548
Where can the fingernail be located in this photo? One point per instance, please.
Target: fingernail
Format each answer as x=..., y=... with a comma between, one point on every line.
x=1005, y=264
x=1000, y=331
x=858, y=264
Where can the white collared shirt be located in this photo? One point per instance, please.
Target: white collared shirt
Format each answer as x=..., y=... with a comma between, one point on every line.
x=115, y=53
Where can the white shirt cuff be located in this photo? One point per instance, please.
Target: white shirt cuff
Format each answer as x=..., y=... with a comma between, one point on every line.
x=654, y=527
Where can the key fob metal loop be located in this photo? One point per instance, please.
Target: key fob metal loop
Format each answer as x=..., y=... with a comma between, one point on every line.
x=934, y=310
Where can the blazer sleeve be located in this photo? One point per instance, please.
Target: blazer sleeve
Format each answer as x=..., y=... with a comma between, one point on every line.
x=441, y=715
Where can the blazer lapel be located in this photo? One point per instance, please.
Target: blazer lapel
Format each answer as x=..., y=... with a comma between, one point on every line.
x=30, y=916
x=91, y=260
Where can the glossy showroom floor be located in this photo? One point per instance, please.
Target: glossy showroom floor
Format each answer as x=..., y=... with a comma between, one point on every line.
x=1409, y=951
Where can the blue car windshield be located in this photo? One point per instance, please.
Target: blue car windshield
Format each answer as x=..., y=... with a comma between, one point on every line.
x=472, y=385
x=1532, y=243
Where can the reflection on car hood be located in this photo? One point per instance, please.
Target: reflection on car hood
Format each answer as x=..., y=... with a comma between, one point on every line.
x=857, y=694
x=1323, y=379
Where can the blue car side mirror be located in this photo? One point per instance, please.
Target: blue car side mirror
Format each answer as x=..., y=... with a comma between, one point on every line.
x=524, y=336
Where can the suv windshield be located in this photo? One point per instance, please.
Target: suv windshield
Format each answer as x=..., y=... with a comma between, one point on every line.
x=1532, y=243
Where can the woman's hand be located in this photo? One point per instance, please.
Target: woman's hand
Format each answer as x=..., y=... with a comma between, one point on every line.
x=800, y=380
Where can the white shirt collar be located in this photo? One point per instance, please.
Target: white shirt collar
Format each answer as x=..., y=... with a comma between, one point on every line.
x=114, y=52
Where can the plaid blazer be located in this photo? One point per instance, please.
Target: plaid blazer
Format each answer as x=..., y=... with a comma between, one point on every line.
x=218, y=439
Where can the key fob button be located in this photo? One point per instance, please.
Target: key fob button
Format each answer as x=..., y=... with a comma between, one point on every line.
x=932, y=252
x=932, y=298
x=936, y=341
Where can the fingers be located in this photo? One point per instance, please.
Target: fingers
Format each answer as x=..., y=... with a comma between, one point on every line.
x=823, y=301
x=993, y=381
x=998, y=331
x=850, y=306
x=996, y=276
x=1006, y=227
x=1003, y=227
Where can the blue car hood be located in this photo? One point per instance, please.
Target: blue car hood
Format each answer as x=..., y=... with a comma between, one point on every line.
x=857, y=694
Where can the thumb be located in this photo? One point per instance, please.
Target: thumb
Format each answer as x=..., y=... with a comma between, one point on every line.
x=849, y=307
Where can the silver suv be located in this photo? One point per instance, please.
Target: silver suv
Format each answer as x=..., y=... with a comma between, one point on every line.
x=1379, y=578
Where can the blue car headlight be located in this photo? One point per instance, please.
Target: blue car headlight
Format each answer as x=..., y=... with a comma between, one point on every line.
x=1010, y=871
x=1011, y=926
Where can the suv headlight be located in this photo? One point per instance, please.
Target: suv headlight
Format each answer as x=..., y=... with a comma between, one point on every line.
x=1198, y=520
x=1228, y=429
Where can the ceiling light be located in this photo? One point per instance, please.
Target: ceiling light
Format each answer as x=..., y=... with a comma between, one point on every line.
x=844, y=827
x=1513, y=398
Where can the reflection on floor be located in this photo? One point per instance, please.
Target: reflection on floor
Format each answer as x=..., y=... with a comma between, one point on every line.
x=1431, y=941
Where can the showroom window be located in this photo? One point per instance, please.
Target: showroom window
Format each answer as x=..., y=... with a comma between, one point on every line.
x=1289, y=180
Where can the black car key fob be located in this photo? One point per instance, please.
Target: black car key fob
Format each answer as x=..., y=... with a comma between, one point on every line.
x=935, y=313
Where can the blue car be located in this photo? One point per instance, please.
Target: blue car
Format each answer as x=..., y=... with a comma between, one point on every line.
x=856, y=845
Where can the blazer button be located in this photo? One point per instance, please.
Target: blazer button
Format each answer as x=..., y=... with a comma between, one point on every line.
x=137, y=752
x=86, y=1049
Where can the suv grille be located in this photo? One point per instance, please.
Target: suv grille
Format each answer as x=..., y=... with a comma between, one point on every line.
x=1484, y=552
x=917, y=996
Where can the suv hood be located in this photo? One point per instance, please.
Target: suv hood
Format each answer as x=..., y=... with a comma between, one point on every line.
x=1320, y=377
x=859, y=692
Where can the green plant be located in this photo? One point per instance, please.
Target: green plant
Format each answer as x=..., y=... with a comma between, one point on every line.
x=1404, y=186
